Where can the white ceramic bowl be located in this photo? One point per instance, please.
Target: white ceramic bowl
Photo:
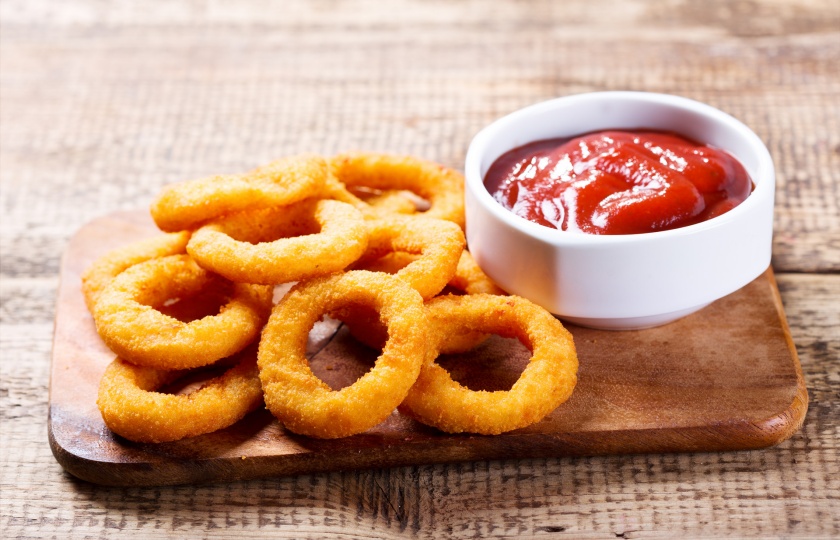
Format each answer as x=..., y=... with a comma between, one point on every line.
x=621, y=281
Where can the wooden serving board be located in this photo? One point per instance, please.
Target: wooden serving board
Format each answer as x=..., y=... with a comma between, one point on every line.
x=725, y=378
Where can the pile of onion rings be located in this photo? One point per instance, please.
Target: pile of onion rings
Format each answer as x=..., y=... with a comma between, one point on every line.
x=375, y=241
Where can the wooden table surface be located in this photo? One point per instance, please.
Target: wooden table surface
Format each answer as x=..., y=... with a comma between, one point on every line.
x=103, y=103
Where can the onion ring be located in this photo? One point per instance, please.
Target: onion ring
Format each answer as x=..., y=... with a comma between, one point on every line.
x=547, y=381
x=470, y=278
x=206, y=302
x=365, y=326
x=439, y=244
x=304, y=403
x=99, y=274
x=373, y=204
x=137, y=332
x=132, y=408
x=387, y=203
x=443, y=188
x=187, y=205
x=286, y=243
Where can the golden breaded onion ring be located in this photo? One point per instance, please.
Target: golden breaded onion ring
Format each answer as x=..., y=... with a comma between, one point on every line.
x=547, y=381
x=470, y=278
x=365, y=326
x=437, y=243
x=442, y=187
x=131, y=326
x=187, y=205
x=132, y=408
x=387, y=203
x=281, y=244
x=99, y=274
x=374, y=203
x=308, y=406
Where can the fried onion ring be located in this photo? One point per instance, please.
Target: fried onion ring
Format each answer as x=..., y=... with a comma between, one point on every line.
x=187, y=205
x=132, y=408
x=373, y=204
x=439, y=244
x=286, y=243
x=387, y=203
x=470, y=278
x=443, y=188
x=365, y=326
x=99, y=274
x=308, y=406
x=131, y=326
x=547, y=381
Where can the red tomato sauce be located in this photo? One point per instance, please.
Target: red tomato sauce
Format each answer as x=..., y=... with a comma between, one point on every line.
x=618, y=182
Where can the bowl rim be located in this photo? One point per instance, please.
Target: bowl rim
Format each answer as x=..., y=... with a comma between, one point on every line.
x=764, y=185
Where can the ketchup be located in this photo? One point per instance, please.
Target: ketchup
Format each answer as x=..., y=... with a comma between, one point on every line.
x=618, y=182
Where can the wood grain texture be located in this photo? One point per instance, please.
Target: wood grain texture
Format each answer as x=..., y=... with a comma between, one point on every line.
x=102, y=103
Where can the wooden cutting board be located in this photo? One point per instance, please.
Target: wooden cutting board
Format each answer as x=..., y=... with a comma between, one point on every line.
x=725, y=378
